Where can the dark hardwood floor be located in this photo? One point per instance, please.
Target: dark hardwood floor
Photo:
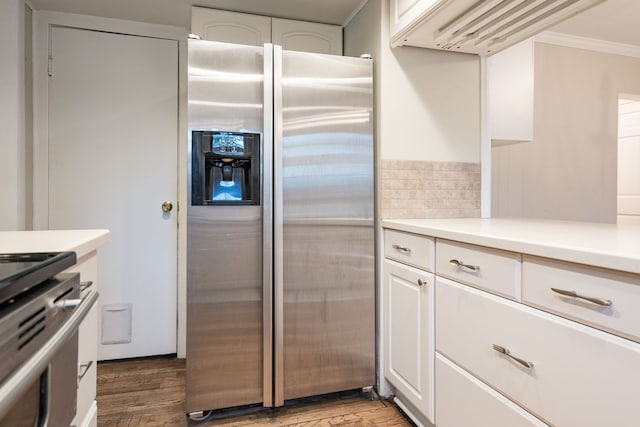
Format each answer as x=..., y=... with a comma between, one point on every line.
x=149, y=392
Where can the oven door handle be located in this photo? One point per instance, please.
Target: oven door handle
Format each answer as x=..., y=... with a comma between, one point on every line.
x=15, y=385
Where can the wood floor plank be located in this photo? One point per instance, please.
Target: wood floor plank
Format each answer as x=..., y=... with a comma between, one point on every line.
x=149, y=392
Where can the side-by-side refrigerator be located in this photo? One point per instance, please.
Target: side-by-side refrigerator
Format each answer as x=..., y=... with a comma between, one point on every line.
x=280, y=230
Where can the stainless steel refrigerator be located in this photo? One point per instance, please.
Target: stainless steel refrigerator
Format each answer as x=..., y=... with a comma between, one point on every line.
x=280, y=249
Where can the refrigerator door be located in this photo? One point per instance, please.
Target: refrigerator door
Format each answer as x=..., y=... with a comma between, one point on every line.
x=224, y=242
x=324, y=224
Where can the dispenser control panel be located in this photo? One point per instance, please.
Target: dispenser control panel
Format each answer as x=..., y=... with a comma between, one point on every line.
x=225, y=168
x=228, y=143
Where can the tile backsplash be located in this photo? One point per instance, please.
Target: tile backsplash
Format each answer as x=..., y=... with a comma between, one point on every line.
x=422, y=189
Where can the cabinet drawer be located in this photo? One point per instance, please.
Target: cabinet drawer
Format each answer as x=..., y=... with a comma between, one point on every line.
x=613, y=302
x=409, y=248
x=490, y=269
x=580, y=376
x=456, y=389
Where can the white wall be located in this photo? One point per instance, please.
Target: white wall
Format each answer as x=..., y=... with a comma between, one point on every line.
x=427, y=106
x=569, y=171
x=428, y=101
x=12, y=117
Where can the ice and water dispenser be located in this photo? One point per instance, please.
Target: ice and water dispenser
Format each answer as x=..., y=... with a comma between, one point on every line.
x=225, y=168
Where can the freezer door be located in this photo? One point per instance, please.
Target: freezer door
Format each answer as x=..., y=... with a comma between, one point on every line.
x=324, y=224
x=225, y=242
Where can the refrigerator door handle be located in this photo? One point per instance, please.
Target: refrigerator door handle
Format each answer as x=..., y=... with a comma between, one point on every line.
x=278, y=263
x=267, y=228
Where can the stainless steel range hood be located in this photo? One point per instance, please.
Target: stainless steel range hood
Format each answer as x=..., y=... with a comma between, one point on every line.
x=480, y=27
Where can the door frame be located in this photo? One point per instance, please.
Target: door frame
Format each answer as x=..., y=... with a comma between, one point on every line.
x=43, y=22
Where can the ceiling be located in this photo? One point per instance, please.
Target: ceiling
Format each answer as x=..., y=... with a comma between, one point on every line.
x=612, y=20
x=178, y=12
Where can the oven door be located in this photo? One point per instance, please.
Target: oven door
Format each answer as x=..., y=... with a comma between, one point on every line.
x=50, y=399
x=42, y=390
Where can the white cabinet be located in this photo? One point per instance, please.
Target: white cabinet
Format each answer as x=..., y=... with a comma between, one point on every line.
x=306, y=36
x=578, y=376
x=407, y=318
x=503, y=348
x=408, y=330
x=405, y=12
x=230, y=27
x=86, y=413
x=243, y=28
x=510, y=94
x=481, y=27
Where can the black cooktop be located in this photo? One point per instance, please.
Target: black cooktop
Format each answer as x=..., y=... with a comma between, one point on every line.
x=21, y=272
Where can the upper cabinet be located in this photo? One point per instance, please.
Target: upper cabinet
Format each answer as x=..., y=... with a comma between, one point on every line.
x=510, y=94
x=230, y=27
x=306, y=36
x=471, y=26
x=256, y=30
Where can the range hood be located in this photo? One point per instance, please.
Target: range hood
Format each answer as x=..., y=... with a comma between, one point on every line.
x=481, y=27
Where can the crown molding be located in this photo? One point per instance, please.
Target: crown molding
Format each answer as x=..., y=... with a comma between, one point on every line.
x=578, y=42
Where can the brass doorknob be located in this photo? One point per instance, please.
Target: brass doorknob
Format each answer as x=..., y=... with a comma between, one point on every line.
x=167, y=206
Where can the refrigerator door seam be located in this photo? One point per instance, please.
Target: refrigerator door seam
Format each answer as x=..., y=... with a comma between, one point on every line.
x=267, y=236
x=278, y=230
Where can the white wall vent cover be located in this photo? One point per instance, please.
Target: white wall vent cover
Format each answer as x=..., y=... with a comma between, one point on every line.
x=116, y=324
x=482, y=27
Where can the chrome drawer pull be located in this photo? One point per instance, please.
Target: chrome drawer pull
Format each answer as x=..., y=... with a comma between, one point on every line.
x=402, y=249
x=507, y=353
x=85, y=285
x=460, y=264
x=84, y=368
x=421, y=282
x=574, y=294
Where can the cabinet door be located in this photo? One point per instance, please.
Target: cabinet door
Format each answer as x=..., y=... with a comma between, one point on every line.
x=404, y=12
x=408, y=334
x=307, y=36
x=230, y=27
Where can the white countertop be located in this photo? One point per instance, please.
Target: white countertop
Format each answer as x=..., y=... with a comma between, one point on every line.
x=603, y=245
x=81, y=242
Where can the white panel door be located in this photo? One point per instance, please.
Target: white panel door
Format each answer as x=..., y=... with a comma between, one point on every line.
x=113, y=114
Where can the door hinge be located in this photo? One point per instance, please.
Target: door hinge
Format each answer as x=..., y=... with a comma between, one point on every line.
x=50, y=66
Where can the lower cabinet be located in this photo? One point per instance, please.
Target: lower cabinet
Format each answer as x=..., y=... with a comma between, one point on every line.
x=506, y=339
x=565, y=373
x=408, y=332
x=86, y=409
x=464, y=401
